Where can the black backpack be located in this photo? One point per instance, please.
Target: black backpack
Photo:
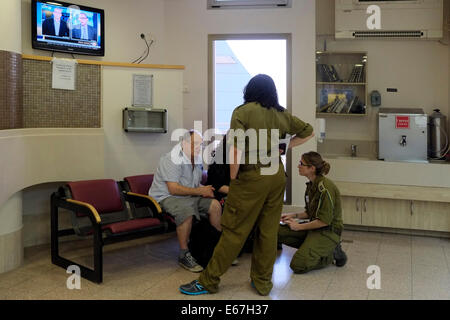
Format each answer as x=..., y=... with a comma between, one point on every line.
x=204, y=238
x=202, y=241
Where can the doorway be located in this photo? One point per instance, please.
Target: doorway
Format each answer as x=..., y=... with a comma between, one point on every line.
x=233, y=61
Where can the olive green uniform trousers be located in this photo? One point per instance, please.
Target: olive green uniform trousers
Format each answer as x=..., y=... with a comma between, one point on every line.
x=253, y=200
x=315, y=247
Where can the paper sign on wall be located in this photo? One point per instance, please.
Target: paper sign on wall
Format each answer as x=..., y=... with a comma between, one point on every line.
x=402, y=122
x=63, y=75
x=142, y=90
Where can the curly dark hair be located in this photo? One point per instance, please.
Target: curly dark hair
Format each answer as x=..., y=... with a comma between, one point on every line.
x=261, y=88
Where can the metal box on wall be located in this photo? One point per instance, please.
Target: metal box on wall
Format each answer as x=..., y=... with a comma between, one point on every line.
x=403, y=134
x=145, y=120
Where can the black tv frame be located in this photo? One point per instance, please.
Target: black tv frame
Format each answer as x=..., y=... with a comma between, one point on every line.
x=61, y=48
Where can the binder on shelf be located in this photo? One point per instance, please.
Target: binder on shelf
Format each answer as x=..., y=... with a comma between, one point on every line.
x=333, y=105
x=357, y=75
x=335, y=74
x=328, y=73
x=324, y=107
x=321, y=73
x=340, y=106
x=352, y=104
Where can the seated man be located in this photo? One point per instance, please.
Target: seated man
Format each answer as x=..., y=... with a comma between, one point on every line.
x=176, y=186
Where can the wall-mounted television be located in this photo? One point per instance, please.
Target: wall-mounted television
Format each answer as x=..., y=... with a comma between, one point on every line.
x=67, y=27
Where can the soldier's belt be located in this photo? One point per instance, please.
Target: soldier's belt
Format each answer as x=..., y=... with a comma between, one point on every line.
x=335, y=230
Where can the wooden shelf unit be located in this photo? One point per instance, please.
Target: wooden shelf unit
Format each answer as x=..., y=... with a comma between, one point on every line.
x=343, y=63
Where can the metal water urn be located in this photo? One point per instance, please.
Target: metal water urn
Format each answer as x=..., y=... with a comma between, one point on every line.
x=438, y=138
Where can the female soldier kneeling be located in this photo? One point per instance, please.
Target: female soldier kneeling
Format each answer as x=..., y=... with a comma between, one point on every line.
x=318, y=241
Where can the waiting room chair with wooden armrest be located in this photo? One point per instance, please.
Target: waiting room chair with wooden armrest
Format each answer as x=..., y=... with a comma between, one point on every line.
x=98, y=210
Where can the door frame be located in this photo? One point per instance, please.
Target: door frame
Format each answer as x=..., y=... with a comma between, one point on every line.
x=211, y=87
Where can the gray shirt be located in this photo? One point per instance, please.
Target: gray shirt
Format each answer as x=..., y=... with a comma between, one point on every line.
x=174, y=166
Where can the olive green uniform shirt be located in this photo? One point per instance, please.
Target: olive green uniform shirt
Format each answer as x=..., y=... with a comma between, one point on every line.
x=323, y=202
x=254, y=200
x=253, y=115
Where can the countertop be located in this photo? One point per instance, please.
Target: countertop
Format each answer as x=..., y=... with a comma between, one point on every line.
x=370, y=170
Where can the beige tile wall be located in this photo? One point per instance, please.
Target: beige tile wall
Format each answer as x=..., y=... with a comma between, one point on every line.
x=10, y=90
x=45, y=107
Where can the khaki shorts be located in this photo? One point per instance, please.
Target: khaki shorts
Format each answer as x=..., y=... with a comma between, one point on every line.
x=183, y=208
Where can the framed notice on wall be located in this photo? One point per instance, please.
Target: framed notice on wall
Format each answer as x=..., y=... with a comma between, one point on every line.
x=142, y=90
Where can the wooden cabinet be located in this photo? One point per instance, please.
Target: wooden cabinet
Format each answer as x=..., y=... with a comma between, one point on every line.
x=395, y=206
x=351, y=210
x=400, y=214
x=433, y=216
x=374, y=212
x=386, y=213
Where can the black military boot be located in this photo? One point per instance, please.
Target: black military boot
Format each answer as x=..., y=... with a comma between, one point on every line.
x=339, y=256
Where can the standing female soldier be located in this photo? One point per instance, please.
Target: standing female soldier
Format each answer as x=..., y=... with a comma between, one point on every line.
x=254, y=199
x=320, y=238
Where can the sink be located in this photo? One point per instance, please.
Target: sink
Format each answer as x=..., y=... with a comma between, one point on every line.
x=342, y=157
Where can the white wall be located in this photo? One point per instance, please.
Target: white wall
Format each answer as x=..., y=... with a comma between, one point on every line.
x=134, y=153
x=40, y=160
x=124, y=22
x=188, y=24
x=119, y=154
x=447, y=25
x=10, y=28
x=417, y=68
x=10, y=214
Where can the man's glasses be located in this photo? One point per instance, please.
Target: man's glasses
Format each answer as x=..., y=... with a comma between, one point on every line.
x=199, y=144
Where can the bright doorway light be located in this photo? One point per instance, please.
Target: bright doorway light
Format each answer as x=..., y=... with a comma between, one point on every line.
x=235, y=63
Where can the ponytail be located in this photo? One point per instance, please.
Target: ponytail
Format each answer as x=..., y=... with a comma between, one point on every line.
x=315, y=159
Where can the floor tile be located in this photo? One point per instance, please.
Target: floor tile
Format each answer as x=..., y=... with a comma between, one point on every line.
x=427, y=241
x=445, y=242
x=246, y=292
x=388, y=295
x=429, y=255
x=337, y=292
x=396, y=281
x=397, y=258
x=412, y=267
x=424, y=293
x=309, y=286
x=350, y=282
x=427, y=279
x=12, y=278
x=87, y=291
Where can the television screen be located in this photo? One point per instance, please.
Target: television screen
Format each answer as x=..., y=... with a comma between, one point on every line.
x=67, y=27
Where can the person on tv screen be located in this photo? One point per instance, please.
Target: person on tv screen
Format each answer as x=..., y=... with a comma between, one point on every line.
x=85, y=31
x=54, y=26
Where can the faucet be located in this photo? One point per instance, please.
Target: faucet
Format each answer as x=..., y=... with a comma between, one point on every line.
x=403, y=141
x=353, y=146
